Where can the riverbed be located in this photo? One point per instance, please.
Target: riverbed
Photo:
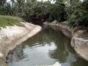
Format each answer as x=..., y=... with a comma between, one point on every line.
x=45, y=48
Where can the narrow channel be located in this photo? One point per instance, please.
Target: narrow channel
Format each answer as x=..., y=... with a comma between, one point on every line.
x=45, y=48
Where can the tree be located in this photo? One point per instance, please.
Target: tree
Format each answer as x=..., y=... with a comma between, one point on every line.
x=31, y=1
x=79, y=17
x=59, y=1
x=2, y=2
x=13, y=1
x=57, y=12
x=32, y=10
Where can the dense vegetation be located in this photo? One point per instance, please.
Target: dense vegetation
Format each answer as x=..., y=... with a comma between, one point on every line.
x=34, y=11
x=79, y=16
x=75, y=11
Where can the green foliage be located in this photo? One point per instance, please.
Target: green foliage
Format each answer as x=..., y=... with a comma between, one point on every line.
x=2, y=10
x=57, y=1
x=57, y=12
x=2, y=2
x=38, y=12
x=6, y=10
x=41, y=12
x=79, y=17
x=35, y=11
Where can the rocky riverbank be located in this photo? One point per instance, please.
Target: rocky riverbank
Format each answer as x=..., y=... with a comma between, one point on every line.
x=61, y=27
x=11, y=36
x=78, y=42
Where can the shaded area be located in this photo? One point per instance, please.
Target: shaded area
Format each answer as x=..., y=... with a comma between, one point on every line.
x=45, y=48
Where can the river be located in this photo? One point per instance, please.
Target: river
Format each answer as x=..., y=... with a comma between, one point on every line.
x=45, y=48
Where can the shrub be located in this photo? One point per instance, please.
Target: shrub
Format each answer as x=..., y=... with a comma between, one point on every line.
x=79, y=17
x=57, y=12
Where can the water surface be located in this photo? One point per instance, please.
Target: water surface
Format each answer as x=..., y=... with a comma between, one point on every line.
x=45, y=48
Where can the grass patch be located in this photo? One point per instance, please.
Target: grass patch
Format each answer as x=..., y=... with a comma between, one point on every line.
x=10, y=21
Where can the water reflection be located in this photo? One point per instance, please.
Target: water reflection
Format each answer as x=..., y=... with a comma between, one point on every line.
x=45, y=48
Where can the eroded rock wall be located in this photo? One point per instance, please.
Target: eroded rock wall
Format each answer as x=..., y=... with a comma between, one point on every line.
x=61, y=27
x=80, y=45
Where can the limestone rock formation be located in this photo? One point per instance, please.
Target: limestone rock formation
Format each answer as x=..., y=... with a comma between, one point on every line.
x=11, y=36
x=80, y=44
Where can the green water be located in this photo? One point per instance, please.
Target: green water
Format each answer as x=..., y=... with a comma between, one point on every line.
x=45, y=48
